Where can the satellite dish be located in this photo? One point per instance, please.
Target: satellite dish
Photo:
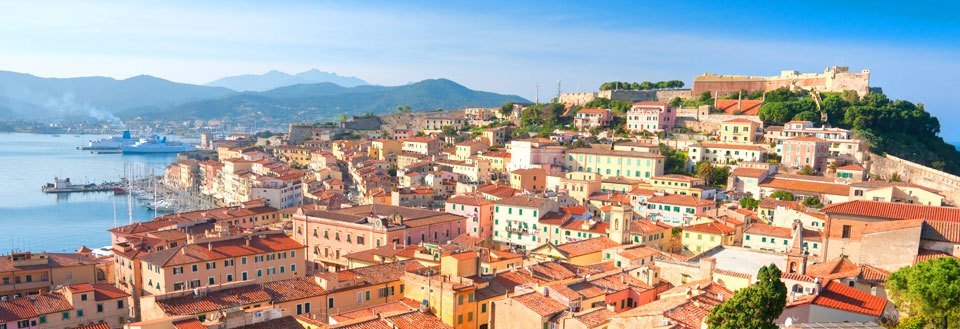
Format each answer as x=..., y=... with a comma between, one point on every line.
x=788, y=323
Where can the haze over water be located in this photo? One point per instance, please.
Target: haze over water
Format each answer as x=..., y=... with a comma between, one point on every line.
x=52, y=222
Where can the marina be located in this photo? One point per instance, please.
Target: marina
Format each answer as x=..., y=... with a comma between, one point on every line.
x=63, y=185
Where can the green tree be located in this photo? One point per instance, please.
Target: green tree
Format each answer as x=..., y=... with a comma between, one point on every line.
x=812, y=202
x=754, y=307
x=404, y=109
x=531, y=116
x=929, y=290
x=704, y=170
x=506, y=109
x=343, y=117
x=782, y=195
x=676, y=102
x=808, y=116
x=895, y=177
x=807, y=170
x=449, y=131
x=749, y=203
x=720, y=175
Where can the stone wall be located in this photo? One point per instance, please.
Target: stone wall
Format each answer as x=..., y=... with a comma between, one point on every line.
x=947, y=184
x=629, y=96
x=701, y=120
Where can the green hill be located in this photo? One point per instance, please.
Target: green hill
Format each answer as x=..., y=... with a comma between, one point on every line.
x=895, y=127
x=327, y=100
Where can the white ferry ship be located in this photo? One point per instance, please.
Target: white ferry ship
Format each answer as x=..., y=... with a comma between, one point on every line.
x=157, y=145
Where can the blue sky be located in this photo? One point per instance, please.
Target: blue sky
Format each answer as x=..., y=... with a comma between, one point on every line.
x=911, y=49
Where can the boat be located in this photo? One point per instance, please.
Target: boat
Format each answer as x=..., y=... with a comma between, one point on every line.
x=157, y=144
x=112, y=143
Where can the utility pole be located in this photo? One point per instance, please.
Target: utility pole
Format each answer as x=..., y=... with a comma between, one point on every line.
x=537, y=99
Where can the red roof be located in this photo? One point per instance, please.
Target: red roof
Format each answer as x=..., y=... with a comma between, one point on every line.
x=593, y=111
x=841, y=297
x=890, y=210
x=682, y=200
x=540, y=304
x=710, y=228
x=746, y=106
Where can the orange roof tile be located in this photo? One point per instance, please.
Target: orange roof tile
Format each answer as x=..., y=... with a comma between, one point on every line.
x=841, y=297
x=806, y=186
x=710, y=228
x=746, y=106
x=682, y=200
x=540, y=304
x=890, y=210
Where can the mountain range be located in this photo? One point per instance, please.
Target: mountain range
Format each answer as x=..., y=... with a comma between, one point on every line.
x=24, y=96
x=276, y=79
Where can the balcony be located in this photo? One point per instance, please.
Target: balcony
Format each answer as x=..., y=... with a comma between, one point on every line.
x=522, y=231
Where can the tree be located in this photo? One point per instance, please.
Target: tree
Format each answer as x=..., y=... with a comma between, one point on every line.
x=754, y=307
x=813, y=202
x=704, y=170
x=782, y=195
x=343, y=117
x=676, y=102
x=749, y=203
x=929, y=290
x=807, y=170
x=506, y=109
x=404, y=109
x=720, y=175
x=808, y=116
x=449, y=131
x=531, y=116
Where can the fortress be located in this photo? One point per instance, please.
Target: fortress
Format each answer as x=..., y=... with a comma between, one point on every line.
x=833, y=79
x=630, y=96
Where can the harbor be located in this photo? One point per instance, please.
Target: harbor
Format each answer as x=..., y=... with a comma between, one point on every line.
x=64, y=185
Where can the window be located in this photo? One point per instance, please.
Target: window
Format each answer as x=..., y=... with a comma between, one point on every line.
x=100, y=308
x=79, y=313
x=846, y=231
x=483, y=308
x=194, y=267
x=83, y=296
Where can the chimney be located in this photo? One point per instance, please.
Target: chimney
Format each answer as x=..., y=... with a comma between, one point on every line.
x=740, y=100
x=247, y=240
x=209, y=245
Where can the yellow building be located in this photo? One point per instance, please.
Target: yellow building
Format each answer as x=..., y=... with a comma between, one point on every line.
x=499, y=160
x=740, y=130
x=680, y=184
x=584, y=252
x=381, y=148
x=611, y=163
x=451, y=298
x=705, y=236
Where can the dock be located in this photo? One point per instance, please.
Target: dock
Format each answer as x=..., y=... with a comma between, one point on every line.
x=65, y=186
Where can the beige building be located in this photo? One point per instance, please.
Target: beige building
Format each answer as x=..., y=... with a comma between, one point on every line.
x=533, y=180
x=71, y=306
x=262, y=257
x=26, y=273
x=740, y=130
x=422, y=145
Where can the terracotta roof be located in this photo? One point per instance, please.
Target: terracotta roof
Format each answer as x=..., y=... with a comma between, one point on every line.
x=523, y=201
x=286, y=322
x=851, y=167
x=741, y=120
x=678, y=178
x=595, y=318
x=746, y=107
x=593, y=151
x=277, y=292
x=194, y=253
x=640, y=252
x=748, y=147
x=542, y=305
x=682, y=200
x=890, y=210
x=733, y=273
x=841, y=297
x=191, y=323
x=769, y=230
x=711, y=228
x=891, y=225
x=771, y=203
x=470, y=200
x=805, y=186
x=927, y=254
x=583, y=247
x=100, y=291
x=32, y=306
x=941, y=231
x=387, y=309
x=593, y=111
x=101, y=325
x=496, y=190
x=416, y=320
x=748, y=172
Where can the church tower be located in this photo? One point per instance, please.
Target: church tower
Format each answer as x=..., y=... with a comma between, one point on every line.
x=620, y=218
x=797, y=256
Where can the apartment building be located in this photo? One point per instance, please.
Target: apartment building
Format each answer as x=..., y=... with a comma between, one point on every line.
x=804, y=151
x=740, y=130
x=331, y=234
x=610, y=163
x=68, y=307
x=477, y=210
x=724, y=153
x=26, y=274
x=677, y=210
x=516, y=219
x=535, y=153
x=422, y=145
x=651, y=116
x=592, y=118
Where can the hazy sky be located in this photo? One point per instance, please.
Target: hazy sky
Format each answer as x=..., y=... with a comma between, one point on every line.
x=912, y=49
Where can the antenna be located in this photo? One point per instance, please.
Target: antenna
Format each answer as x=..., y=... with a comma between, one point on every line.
x=537, y=100
x=558, y=90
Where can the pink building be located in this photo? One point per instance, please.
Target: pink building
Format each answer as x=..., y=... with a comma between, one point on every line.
x=805, y=151
x=401, y=134
x=591, y=118
x=478, y=212
x=331, y=234
x=651, y=116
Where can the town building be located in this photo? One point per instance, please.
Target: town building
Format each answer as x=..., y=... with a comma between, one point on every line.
x=592, y=118
x=740, y=130
x=516, y=219
x=651, y=116
x=610, y=163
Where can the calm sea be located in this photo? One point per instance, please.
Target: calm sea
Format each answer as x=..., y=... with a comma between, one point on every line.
x=31, y=220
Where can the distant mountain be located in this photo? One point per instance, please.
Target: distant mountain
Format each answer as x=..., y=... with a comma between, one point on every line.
x=32, y=97
x=277, y=79
x=328, y=100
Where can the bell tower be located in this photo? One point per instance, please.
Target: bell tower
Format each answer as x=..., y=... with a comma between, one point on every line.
x=620, y=218
x=797, y=256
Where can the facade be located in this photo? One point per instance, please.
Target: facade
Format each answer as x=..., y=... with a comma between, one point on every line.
x=592, y=118
x=740, y=131
x=833, y=79
x=477, y=210
x=805, y=151
x=533, y=180
x=535, y=153
x=516, y=220
x=69, y=307
x=422, y=145
x=610, y=163
x=27, y=273
x=331, y=234
x=677, y=210
x=705, y=236
x=724, y=153
x=651, y=116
